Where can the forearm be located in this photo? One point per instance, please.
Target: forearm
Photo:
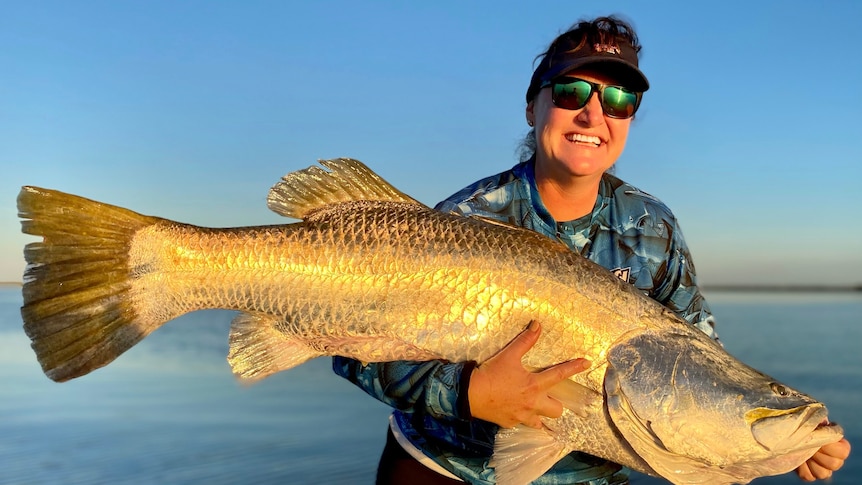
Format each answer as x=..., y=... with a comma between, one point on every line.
x=437, y=388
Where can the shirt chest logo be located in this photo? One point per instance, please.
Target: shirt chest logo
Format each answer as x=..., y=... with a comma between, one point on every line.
x=622, y=273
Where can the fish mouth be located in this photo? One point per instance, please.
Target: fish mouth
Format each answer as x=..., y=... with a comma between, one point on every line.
x=825, y=433
x=802, y=427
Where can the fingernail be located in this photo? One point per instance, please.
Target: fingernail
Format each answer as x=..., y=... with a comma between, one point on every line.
x=534, y=326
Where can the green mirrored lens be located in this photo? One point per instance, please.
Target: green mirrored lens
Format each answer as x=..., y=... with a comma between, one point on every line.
x=572, y=95
x=619, y=102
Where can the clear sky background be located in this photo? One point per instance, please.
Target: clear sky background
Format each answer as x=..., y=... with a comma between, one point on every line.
x=191, y=110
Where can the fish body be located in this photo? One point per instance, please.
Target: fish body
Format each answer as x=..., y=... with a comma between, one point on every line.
x=370, y=273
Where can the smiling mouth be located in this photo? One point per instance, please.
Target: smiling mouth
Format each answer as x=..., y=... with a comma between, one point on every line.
x=580, y=139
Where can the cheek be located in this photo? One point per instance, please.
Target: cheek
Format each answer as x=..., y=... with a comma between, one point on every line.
x=554, y=122
x=619, y=131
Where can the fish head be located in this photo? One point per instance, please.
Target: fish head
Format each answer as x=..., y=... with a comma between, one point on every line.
x=695, y=414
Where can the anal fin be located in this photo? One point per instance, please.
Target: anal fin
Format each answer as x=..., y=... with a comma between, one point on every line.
x=258, y=349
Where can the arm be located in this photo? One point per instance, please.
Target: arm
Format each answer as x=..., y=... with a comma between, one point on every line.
x=500, y=390
x=677, y=287
x=435, y=387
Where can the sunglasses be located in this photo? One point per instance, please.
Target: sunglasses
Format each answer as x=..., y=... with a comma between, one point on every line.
x=573, y=93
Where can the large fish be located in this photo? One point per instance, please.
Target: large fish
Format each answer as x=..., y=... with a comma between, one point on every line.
x=372, y=274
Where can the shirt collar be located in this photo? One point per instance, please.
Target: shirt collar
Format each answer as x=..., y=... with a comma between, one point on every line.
x=528, y=173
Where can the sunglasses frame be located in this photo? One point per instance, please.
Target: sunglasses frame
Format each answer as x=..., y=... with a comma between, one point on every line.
x=594, y=88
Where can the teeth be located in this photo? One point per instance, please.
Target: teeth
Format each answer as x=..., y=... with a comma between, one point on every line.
x=577, y=137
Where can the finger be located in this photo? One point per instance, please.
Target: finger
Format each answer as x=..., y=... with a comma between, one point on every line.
x=550, y=407
x=535, y=422
x=840, y=449
x=804, y=473
x=522, y=344
x=554, y=375
x=824, y=460
x=818, y=471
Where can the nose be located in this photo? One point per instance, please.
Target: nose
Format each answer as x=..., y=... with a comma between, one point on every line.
x=591, y=114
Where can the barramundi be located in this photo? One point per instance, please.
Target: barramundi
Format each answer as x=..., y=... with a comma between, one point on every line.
x=368, y=272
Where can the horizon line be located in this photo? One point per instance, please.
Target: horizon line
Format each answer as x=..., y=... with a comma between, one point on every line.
x=781, y=287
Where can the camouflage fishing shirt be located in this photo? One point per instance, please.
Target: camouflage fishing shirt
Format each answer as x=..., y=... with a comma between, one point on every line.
x=629, y=232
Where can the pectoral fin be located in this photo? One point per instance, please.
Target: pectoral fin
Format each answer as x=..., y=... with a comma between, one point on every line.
x=523, y=454
x=575, y=397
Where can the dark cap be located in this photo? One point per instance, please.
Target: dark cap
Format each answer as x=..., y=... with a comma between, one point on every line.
x=619, y=60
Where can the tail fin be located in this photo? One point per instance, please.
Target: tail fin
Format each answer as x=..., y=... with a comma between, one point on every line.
x=77, y=311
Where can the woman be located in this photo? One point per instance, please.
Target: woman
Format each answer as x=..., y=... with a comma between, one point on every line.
x=580, y=103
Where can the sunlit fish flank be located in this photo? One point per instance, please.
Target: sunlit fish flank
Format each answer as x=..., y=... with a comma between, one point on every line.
x=372, y=274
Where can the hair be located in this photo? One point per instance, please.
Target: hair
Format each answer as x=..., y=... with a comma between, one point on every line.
x=601, y=30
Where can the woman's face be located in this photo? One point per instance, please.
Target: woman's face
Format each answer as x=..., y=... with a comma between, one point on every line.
x=580, y=143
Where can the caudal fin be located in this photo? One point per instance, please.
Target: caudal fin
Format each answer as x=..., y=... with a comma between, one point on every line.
x=77, y=311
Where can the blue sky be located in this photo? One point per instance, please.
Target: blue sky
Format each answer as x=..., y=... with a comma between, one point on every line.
x=192, y=110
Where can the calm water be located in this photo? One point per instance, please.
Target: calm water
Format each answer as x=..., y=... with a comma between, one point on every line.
x=169, y=411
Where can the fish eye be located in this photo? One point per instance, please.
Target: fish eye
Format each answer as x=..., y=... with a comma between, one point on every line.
x=779, y=389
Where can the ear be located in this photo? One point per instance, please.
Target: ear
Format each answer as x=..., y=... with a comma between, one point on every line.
x=531, y=117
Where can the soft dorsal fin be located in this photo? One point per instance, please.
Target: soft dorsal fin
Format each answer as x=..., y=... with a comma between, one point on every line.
x=303, y=191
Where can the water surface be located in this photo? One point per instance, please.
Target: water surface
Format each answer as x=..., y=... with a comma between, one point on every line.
x=170, y=412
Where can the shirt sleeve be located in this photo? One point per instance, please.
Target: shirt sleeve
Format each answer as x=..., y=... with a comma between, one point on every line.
x=436, y=388
x=679, y=290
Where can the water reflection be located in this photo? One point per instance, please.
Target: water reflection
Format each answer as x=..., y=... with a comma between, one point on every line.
x=169, y=410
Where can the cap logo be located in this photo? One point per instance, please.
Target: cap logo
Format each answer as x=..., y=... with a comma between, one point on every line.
x=609, y=48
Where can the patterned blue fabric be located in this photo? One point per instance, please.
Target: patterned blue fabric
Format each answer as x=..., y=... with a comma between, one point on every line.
x=629, y=232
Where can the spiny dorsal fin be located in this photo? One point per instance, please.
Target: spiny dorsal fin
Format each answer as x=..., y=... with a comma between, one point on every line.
x=303, y=191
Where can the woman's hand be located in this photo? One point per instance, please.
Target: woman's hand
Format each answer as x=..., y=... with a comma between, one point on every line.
x=503, y=392
x=827, y=459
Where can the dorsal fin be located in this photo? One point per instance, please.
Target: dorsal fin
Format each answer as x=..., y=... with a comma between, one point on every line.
x=303, y=191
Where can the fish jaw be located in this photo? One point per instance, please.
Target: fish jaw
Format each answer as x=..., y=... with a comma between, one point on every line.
x=779, y=429
x=697, y=415
x=790, y=458
x=793, y=436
